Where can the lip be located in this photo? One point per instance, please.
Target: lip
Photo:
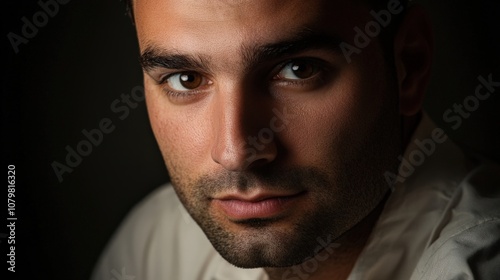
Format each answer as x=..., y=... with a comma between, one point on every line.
x=239, y=207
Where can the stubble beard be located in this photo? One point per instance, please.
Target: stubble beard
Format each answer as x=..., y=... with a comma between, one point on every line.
x=342, y=197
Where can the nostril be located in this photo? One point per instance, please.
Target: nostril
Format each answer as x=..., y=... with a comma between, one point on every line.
x=262, y=158
x=239, y=158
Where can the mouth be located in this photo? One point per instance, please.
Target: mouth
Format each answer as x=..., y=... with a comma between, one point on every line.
x=261, y=206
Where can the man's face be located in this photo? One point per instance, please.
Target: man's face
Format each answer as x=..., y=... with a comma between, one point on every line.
x=271, y=138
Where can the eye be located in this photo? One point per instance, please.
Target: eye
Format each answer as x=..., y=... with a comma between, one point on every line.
x=298, y=70
x=185, y=81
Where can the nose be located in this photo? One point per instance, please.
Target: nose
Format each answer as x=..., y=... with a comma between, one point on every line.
x=242, y=138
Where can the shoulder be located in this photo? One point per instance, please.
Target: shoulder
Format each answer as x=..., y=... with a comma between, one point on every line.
x=467, y=243
x=147, y=245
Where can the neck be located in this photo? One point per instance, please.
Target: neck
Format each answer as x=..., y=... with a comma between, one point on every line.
x=340, y=261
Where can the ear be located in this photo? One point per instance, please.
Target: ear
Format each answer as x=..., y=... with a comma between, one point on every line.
x=413, y=49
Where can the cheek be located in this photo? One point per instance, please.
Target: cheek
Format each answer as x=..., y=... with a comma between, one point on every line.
x=180, y=133
x=320, y=129
x=336, y=123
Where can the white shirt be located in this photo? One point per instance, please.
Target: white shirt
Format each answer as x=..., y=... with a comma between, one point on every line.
x=442, y=222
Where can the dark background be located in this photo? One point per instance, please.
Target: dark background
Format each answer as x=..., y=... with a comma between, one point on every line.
x=67, y=76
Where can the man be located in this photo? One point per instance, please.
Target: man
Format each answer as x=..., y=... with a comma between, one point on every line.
x=292, y=131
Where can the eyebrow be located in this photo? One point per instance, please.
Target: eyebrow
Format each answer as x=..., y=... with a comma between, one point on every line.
x=154, y=57
x=303, y=40
x=306, y=39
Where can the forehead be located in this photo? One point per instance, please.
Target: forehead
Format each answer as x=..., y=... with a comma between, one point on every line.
x=214, y=25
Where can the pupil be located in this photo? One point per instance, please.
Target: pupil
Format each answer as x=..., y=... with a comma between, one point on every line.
x=303, y=70
x=190, y=80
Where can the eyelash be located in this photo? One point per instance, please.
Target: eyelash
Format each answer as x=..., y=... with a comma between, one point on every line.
x=173, y=93
x=179, y=95
x=314, y=82
x=317, y=78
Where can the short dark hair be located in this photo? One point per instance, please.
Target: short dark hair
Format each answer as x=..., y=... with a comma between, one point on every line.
x=129, y=9
x=381, y=4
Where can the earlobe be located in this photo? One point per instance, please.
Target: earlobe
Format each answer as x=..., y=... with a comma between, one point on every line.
x=413, y=49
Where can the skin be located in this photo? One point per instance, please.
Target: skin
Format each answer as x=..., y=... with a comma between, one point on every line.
x=345, y=125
